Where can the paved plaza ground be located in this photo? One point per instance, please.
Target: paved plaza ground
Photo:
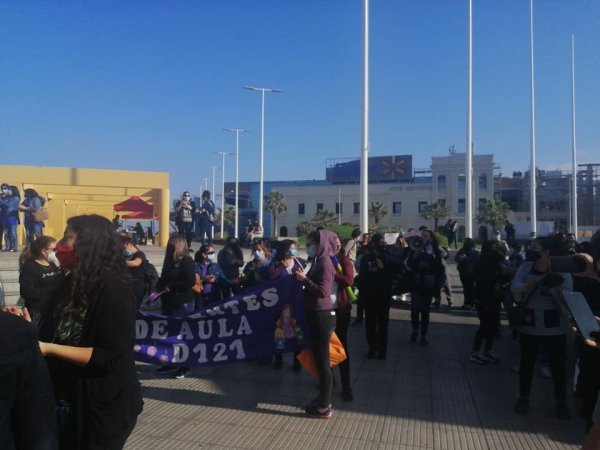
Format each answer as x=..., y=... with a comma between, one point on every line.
x=418, y=398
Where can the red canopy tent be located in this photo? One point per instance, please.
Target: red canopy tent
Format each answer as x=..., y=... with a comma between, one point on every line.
x=136, y=208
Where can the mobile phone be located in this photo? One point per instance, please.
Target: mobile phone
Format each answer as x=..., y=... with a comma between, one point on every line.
x=567, y=264
x=581, y=313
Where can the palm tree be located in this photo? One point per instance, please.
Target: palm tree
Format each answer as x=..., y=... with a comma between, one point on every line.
x=435, y=211
x=276, y=204
x=493, y=212
x=324, y=219
x=378, y=211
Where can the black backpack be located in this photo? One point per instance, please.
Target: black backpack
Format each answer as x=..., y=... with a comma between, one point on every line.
x=150, y=276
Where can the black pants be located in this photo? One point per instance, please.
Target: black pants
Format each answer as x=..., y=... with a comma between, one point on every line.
x=377, y=317
x=555, y=347
x=321, y=324
x=206, y=236
x=360, y=309
x=468, y=283
x=342, y=320
x=185, y=229
x=420, y=306
x=489, y=316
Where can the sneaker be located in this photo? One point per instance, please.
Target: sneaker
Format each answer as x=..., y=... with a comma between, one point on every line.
x=490, y=357
x=477, y=359
x=562, y=412
x=413, y=337
x=166, y=369
x=522, y=406
x=319, y=412
x=182, y=372
x=423, y=341
x=347, y=395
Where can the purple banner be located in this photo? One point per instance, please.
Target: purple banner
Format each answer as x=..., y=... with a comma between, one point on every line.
x=256, y=323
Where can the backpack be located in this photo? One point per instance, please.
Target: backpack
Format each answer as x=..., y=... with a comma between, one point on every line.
x=150, y=277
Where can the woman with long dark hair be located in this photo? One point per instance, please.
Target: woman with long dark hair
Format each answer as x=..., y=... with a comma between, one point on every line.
x=211, y=274
x=490, y=277
x=427, y=273
x=318, y=281
x=177, y=278
x=90, y=347
x=32, y=203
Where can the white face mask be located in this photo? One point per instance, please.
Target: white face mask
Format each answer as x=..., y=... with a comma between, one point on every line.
x=53, y=259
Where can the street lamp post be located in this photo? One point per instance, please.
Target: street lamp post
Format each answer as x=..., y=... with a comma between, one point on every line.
x=237, y=132
x=213, y=168
x=262, y=148
x=223, y=154
x=364, y=151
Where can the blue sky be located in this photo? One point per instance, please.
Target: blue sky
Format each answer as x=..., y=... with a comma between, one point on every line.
x=149, y=84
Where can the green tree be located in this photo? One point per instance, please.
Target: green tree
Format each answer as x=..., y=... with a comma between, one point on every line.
x=435, y=211
x=324, y=218
x=276, y=204
x=378, y=211
x=493, y=212
x=229, y=217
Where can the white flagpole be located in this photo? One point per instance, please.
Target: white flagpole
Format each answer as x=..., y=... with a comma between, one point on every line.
x=574, y=142
x=469, y=150
x=532, y=169
x=364, y=161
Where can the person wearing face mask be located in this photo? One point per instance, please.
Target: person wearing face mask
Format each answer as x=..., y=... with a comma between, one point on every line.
x=256, y=271
x=285, y=263
x=9, y=202
x=206, y=219
x=427, y=278
x=39, y=275
x=230, y=260
x=3, y=193
x=541, y=324
x=318, y=280
x=32, y=203
x=184, y=217
x=134, y=261
x=375, y=289
x=211, y=274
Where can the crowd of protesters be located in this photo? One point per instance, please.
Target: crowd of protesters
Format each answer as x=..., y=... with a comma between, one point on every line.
x=81, y=294
x=13, y=211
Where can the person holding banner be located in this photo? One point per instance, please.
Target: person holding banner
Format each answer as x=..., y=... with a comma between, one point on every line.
x=211, y=274
x=284, y=264
x=176, y=280
x=318, y=280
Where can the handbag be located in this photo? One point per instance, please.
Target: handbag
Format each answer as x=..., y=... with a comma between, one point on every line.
x=337, y=354
x=41, y=214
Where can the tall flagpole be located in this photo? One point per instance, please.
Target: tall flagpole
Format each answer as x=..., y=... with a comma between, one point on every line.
x=574, y=142
x=469, y=150
x=532, y=168
x=364, y=155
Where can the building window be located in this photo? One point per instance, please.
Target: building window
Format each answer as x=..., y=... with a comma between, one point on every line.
x=423, y=207
x=338, y=208
x=442, y=202
x=300, y=209
x=461, y=183
x=441, y=183
x=397, y=207
x=482, y=202
x=356, y=207
x=319, y=207
x=483, y=182
x=461, y=205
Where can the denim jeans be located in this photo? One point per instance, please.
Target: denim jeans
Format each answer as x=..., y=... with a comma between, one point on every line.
x=34, y=231
x=10, y=236
x=321, y=325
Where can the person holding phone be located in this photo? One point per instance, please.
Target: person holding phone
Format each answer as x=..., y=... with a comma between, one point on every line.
x=541, y=324
x=184, y=217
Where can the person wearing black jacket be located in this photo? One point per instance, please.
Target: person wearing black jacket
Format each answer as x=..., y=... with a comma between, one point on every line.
x=89, y=347
x=376, y=292
x=135, y=261
x=231, y=259
x=27, y=416
x=39, y=276
x=177, y=278
x=427, y=277
x=466, y=262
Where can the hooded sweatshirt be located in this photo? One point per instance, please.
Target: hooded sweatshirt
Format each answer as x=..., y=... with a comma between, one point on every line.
x=320, y=277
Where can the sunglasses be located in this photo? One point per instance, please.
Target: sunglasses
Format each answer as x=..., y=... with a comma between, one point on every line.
x=211, y=253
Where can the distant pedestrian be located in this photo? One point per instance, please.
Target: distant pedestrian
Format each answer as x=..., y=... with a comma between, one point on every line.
x=32, y=207
x=184, y=217
x=206, y=219
x=9, y=203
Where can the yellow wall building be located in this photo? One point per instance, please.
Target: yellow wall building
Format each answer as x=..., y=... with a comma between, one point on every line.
x=72, y=192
